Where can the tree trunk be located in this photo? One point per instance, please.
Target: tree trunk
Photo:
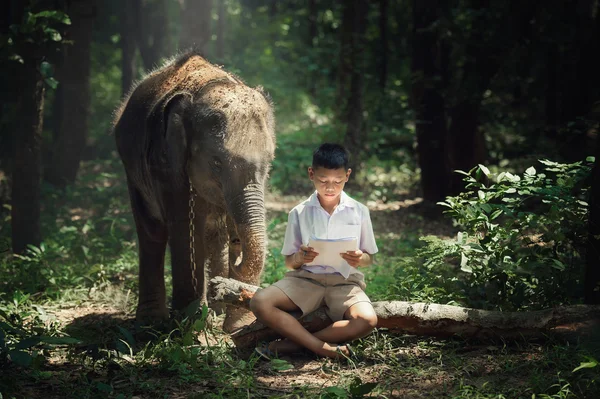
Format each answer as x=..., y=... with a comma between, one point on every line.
x=466, y=142
x=26, y=175
x=345, y=66
x=311, y=40
x=428, y=103
x=273, y=9
x=128, y=27
x=74, y=78
x=355, y=132
x=152, y=32
x=195, y=29
x=383, y=39
x=427, y=319
x=220, y=50
x=5, y=17
x=592, y=269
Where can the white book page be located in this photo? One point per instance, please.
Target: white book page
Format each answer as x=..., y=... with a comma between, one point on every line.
x=329, y=251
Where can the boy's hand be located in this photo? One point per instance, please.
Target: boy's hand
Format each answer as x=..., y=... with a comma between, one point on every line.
x=307, y=254
x=352, y=257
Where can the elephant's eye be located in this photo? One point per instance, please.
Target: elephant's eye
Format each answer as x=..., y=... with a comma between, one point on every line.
x=217, y=163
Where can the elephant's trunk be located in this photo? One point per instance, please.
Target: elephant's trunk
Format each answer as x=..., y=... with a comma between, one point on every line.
x=248, y=211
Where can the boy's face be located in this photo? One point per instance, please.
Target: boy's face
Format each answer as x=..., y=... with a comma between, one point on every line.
x=329, y=183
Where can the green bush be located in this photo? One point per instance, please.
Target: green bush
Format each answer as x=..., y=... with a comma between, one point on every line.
x=522, y=238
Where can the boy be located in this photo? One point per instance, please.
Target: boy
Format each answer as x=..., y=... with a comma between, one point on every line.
x=327, y=213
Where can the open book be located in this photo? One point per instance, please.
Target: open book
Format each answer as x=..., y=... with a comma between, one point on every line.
x=329, y=250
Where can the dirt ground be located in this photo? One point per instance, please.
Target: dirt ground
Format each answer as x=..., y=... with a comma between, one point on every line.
x=401, y=366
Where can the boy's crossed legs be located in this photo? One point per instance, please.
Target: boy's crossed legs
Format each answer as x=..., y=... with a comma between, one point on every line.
x=271, y=306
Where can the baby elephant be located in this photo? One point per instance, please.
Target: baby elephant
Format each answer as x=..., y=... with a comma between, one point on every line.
x=196, y=144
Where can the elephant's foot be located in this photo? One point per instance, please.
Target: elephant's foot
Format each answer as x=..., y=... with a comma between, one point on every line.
x=237, y=318
x=151, y=313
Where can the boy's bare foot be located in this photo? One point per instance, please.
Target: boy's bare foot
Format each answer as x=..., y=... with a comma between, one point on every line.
x=335, y=351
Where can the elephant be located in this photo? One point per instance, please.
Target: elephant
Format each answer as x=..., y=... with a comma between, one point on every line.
x=196, y=144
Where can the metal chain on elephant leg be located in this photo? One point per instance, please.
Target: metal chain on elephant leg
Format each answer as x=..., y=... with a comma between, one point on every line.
x=192, y=216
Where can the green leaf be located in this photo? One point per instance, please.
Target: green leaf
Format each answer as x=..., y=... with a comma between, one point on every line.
x=281, y=365
x=335, y=392
x=28, y=343
x=530, y=171
x=464, y=264
x=591, y=363
x=188, y=339
x=558, y=265
x=128, y=336
x=199, y=325
x=485, y=170
x=496, y=213
x=60, y=340
x=55, y=36
x=17, y=58
x=481, y=195
x=20, y=357
x=102, y=387
x=57, y=16
x=476, y=247
x=192, y=308
x=361, y=390
x=486, y=208
x=51, y=82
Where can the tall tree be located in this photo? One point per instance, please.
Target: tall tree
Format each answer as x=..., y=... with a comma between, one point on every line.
x=195, y=29
x=353, y=113
x=128, y=27
x=427, y=65
x=27, y=138
x=592, y=274
x=383, y=39
x=152, y=31
x=475, y=61
x=222, y=14
x=592, y=271
x=73, y=74
x=344, y=67
x=311, y=39
x=573, y=81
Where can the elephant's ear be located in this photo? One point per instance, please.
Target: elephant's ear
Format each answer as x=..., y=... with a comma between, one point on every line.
x=174, y=112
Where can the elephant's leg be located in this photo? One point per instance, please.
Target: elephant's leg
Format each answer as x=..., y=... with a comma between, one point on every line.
x=184, y=291
x=217, y=250
x=152, y=241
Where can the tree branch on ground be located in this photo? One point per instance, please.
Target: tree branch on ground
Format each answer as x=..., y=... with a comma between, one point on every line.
x=426, y=319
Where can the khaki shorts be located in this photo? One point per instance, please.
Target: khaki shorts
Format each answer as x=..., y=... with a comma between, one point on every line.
x=309, y=291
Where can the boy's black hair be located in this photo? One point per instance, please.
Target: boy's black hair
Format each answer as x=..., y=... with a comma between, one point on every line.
x=331, y=156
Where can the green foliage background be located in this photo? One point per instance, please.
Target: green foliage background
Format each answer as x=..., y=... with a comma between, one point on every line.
x=511, y=241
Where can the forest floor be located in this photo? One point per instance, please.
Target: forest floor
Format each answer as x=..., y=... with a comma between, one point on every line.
x=115, y=358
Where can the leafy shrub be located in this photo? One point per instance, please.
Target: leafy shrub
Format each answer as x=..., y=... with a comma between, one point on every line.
x=522, y=240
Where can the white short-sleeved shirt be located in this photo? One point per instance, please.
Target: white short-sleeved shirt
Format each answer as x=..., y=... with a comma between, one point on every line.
x=350, y=218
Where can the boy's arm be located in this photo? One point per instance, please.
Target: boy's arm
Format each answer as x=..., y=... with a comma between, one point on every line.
x=299, y=258
x=293, y=261
x=358, y=258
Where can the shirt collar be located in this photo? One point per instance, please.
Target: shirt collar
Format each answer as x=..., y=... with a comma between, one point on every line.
x=345, y=200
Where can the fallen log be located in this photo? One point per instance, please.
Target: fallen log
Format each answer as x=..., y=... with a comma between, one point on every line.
x=428, y=319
